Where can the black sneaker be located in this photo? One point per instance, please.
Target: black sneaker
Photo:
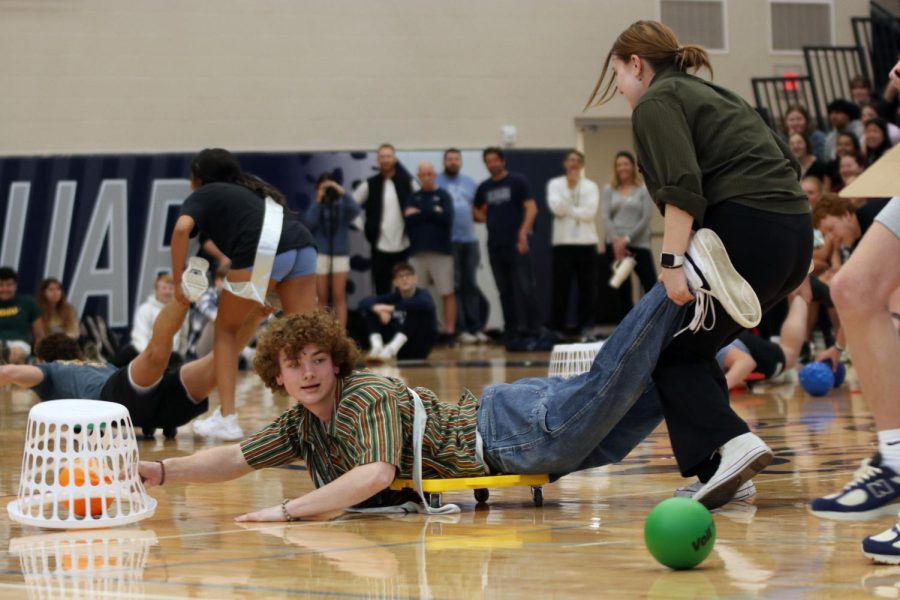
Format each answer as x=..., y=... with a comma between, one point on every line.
x=170, y=432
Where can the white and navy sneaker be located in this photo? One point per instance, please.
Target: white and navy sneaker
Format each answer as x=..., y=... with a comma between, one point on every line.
x=194, y=281
x=740, y=459
x=745, y=493
x=884, y=547
x=874, y=492
x=710, y=274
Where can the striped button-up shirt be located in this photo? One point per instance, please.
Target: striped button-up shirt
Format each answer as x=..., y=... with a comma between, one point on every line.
x=372, y=422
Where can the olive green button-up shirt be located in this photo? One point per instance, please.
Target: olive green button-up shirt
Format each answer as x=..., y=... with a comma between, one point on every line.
x=699, y=144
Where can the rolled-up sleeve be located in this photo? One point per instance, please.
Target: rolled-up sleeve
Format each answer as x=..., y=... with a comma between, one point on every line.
x=668, y=158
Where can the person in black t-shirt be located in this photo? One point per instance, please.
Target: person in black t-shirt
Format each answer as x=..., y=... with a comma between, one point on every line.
x=505, y=203
x=234, y=209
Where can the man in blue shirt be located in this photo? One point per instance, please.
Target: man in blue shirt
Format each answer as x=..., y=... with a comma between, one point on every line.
x=466, y=255
x=505, y=203
x=429, y=218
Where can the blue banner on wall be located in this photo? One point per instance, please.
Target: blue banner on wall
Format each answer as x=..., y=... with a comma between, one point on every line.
x=101, y=223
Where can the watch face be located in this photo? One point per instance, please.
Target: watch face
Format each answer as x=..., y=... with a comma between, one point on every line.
x=667, y=260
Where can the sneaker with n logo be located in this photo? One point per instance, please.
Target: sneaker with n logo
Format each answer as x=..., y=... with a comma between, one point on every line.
x=874, y=492
x=884, y=548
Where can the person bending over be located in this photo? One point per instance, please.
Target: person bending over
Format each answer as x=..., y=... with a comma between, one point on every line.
x=155, y=395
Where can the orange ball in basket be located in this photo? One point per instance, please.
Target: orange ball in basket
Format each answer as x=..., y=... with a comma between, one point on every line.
x=76, y=476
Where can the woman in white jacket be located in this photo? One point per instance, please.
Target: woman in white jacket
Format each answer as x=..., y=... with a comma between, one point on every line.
x=573, y=200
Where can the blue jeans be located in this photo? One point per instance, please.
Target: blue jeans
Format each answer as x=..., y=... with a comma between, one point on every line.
x=466, y=257
x=557, y=426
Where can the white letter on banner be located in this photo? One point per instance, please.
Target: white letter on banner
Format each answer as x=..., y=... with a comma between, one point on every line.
x=14, y=231
x=109, y=227
x=60, y=229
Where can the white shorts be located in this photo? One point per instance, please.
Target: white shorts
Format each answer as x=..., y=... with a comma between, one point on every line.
x=338, y=264
x=436, y=269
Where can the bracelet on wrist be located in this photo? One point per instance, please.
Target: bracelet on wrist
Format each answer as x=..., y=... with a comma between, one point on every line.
x=838, y=347
x=162, y=469
x=284, y=511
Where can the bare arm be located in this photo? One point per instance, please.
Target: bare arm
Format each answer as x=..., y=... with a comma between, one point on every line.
x=527, y=224
x=358, y=484
x=677, y=234
x=222, y=463
x=479, y=214
x=180, y=236
x=24, y=376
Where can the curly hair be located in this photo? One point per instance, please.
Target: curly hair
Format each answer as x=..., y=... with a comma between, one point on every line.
x=291, y=333
x=58, y=346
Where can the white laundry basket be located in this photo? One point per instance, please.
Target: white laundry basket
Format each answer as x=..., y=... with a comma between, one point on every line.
x=568, y=360
x=102, y=563
x=80, y=468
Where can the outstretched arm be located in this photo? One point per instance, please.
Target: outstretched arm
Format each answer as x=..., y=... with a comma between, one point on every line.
x=358, y=484
x=222, y=463
x=24, y=376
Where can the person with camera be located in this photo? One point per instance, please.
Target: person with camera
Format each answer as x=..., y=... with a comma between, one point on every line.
x=329, y=218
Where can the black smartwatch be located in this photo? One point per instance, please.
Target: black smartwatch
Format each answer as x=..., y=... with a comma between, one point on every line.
x=667, y=260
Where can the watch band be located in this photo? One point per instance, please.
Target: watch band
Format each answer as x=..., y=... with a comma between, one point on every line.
x=667, y=260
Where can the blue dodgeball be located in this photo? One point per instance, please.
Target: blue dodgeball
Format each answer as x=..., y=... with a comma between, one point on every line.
x=817, y=378
x=840, y=374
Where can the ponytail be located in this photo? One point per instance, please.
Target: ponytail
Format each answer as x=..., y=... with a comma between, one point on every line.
x=261, y=188
x=657, y=44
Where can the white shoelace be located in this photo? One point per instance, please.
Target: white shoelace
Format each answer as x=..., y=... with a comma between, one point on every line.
x=703, y=307
x=865, y=472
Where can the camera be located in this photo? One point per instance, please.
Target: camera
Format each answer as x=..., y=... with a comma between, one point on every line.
x=331, y=194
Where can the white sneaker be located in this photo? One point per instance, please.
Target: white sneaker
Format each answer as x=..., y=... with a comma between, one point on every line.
x=741, y=459
x=482, y=338
x=467, y=338
x=710, y=274
x=229, y=429
x=206, y=426
x=378, y=355
x=745, y=493
x=194, y=281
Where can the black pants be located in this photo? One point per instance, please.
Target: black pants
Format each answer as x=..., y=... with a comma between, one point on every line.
x=578, y=262
x=382, y=265
x=772, y=252
x=514, y=277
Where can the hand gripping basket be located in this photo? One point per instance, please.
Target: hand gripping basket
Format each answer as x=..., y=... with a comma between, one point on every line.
x=80, y=468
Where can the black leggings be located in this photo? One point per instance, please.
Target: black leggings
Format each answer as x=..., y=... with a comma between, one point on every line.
x=772, y=252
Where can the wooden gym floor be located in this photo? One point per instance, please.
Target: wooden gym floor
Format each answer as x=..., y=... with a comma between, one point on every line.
x=586, y=541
